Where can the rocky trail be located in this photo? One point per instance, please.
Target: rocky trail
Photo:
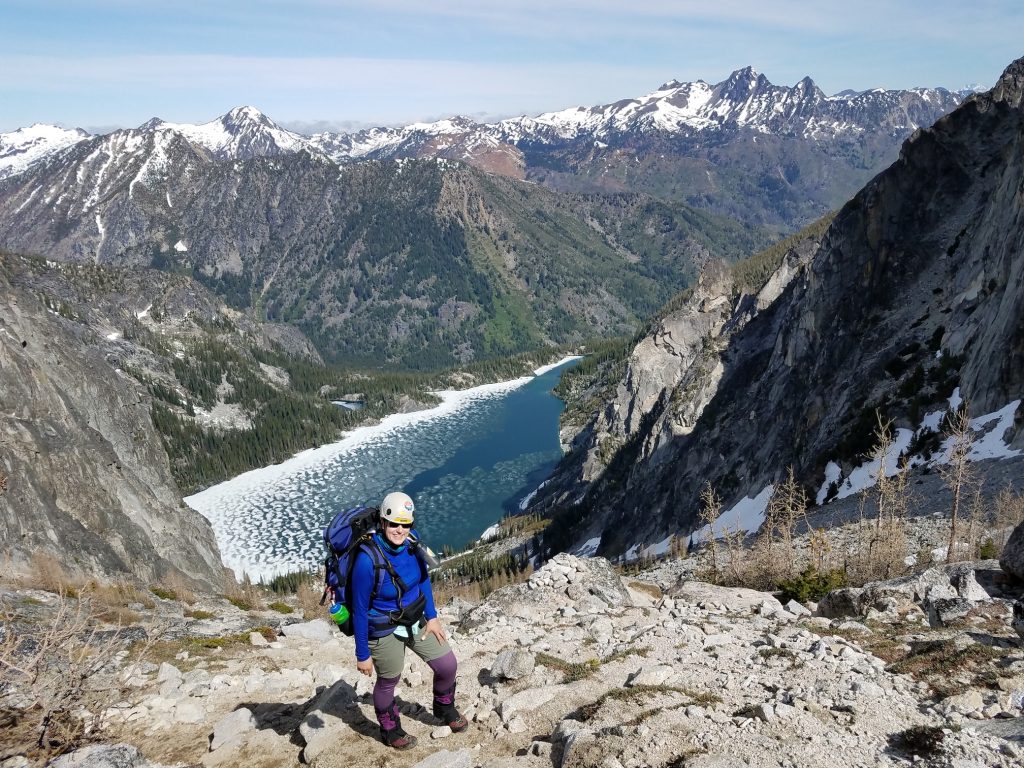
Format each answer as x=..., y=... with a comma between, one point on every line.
x=581, y=667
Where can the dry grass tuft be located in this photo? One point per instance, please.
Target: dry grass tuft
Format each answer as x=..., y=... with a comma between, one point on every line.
x=308, y=597
x=48, y=573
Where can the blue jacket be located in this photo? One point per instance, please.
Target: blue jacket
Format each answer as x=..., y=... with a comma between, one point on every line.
x=411, y=570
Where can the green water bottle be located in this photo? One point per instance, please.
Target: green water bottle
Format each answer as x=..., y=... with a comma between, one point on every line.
x=339, y=613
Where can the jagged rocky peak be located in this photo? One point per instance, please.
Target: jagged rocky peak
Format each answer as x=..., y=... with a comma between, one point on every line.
x=742, y=83
x=1010, y=87
x=152, y=124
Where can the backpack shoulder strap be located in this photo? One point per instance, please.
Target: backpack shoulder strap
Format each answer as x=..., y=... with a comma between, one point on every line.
x=381, y=561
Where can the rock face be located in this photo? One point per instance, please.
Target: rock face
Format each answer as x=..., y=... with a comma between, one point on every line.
x=1012, y=558
x=86, y=478
x=915, y=289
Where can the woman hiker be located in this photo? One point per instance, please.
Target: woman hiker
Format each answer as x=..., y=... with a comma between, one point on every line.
x=394, y=610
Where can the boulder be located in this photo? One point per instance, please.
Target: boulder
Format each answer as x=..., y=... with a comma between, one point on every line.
x=232, y=728
x=317, y=629
x=797, y=609
x=945, y=610
x=1012, y=559
x=513, y=665
x=102, y=756
x=656, y=674
x=526, y=701
x=463, y=758
x=839, y=603
x=732, y=599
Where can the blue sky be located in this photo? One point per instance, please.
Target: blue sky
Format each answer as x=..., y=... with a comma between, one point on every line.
x=100, y=64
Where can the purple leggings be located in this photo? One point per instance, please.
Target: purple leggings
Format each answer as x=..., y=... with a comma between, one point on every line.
x=444, y=690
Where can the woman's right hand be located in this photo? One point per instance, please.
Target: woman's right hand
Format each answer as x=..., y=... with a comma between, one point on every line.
x=366, y=667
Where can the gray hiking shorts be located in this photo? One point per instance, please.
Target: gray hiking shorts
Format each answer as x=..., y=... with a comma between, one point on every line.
x=388, y=652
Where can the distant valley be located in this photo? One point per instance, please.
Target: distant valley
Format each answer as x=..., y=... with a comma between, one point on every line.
x=218, y=273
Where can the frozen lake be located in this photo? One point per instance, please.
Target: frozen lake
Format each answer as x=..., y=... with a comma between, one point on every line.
x=466, y=463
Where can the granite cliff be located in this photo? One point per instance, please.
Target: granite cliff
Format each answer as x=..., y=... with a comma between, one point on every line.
x=86, y=477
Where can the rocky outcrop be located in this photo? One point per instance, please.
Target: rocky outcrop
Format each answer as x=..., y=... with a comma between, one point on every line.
x=916, y=289
x=85, y=476
x=707, y=675
x=1012, y=558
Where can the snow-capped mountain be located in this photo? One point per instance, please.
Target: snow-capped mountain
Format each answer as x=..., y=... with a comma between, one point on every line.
x=20, y=148
x=242, y=133
x=770, y=155
x=746, y=99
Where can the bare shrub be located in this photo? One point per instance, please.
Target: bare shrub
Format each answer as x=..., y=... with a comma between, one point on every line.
x=308, y=596
x=1007, y=514
x=975, y=524
x=774, y=556
x=710, y=509
x=881, y=544
x=58, y=675
x=820, y=547
x=245, y=595
x=737, y=566
x=958, y=473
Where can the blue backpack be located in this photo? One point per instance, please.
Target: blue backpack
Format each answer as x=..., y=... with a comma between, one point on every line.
x=350, y=532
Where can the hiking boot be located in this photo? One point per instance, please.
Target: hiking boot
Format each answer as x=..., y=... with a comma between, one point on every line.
x=449, y=715
x=397, y=738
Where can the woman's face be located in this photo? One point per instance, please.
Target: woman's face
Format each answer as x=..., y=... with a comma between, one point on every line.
x=396, y=533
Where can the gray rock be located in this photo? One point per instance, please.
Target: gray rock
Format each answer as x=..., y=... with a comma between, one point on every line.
x=732, y=599
x=101, y=756
x=1011, y=728
x=513, y=665
x=1012, y=558
x=963, y=703
x=231, y=728
x=855, y=626
x=168, y=672
x=463, y=758
x=516, y=725
x=258, y=640
x=526, y=701
x=318, y=630
x=442, y=732
x=323, y=725
x=188, y=711
x=943, y=611
x=797, y=609
x=839, y=603
x=964, y=579
x=716, y=760
x=114, y=501
x=651, y=675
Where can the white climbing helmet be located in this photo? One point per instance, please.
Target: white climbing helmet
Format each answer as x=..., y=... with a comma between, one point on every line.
x=397, y=507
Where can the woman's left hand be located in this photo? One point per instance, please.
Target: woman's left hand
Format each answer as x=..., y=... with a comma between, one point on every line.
x=434, y=628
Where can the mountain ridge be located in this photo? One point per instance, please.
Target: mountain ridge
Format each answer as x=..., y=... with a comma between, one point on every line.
x=912, y=297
